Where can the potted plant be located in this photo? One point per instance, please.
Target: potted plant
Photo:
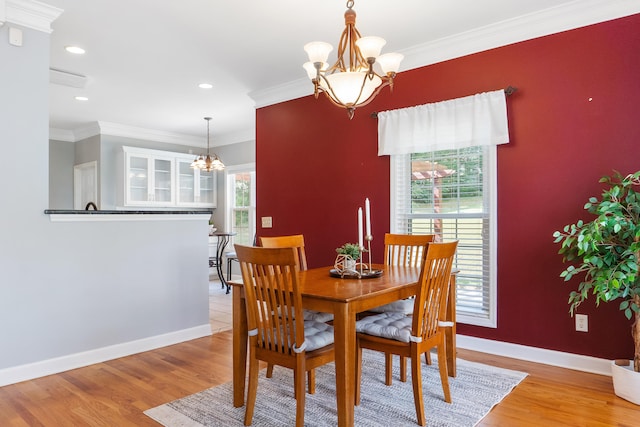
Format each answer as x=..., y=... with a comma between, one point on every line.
x=348, y=254
x=351, y=249
x=605, y=254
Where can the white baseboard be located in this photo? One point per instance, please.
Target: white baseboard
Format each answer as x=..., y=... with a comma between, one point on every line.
x=30, y=371
x=60, y=364
x=538, y=355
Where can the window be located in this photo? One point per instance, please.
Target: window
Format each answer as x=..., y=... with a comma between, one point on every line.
x=241, y=203
x=451, y=193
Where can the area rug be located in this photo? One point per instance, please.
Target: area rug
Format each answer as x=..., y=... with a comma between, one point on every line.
x=476, y=389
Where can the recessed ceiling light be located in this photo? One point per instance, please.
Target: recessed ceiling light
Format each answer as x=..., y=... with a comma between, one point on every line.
x=81, y=98
x=205, y=85
x=74, y=49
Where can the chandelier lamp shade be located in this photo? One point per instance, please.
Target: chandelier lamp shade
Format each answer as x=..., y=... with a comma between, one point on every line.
x=351, y=81
x=208, y=163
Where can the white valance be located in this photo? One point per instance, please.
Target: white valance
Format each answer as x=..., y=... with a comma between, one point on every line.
x=479, y=119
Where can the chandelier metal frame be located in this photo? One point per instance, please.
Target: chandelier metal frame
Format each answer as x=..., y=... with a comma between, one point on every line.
x=352, y=62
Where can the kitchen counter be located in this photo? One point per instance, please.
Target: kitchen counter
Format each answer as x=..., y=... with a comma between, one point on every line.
x=124, y=215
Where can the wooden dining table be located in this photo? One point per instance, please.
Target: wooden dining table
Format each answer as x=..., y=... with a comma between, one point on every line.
x=345, y=298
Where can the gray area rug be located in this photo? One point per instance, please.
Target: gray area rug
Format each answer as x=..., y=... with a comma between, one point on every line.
x=475, y=390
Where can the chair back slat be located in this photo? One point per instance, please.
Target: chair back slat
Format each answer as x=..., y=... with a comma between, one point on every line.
x=405, y=249
x=431, y=299
x=274, y=303
x=294, y=241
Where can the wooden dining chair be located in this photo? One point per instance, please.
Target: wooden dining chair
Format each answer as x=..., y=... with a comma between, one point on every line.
x=412, y=336
x=403, y=250
x=278, y=333
x=296, y=241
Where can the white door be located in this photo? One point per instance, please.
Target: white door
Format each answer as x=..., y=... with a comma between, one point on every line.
x=85, y=185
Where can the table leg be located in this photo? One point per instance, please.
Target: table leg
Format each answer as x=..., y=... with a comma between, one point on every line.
x=344, y=327
x=450, y=333
x=240, y=336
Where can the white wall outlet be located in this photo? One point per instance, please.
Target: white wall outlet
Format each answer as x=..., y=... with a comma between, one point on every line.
x=267, y=222
x=582, y=323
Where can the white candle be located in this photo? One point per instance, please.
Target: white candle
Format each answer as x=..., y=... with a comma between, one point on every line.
x=360, y=227
x=367, y=211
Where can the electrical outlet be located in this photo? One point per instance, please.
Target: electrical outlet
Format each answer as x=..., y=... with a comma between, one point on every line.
x=267, y=222
x=582, y=323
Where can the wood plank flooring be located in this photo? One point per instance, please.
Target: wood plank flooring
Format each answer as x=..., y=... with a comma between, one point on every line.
x=115, y=393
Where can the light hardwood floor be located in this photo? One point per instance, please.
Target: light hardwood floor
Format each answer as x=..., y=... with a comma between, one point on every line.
x=115, y=393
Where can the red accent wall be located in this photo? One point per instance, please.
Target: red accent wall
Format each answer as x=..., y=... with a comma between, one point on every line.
x=574, y=118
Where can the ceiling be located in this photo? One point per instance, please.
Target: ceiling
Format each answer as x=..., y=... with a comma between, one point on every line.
x=145, y=58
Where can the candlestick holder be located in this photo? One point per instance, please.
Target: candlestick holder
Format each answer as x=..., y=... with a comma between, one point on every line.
x=369, y=238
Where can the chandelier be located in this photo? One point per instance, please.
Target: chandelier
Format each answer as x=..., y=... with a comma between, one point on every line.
x=208, y=163
x=351, y=82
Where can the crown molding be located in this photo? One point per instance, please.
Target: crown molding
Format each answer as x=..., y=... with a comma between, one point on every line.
x=116, y=129
x=564, y=17
x=31, y=14
x=125, y=131
x=61, y=135
x=283, y=92
x=568, y=16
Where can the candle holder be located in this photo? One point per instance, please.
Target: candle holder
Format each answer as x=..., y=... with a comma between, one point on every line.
x=369, y=238
x=345, y=267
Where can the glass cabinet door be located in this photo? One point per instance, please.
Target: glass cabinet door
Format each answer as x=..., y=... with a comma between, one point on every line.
x=162, y=180
x=207, y=191
x=186, y=182
x=138, y=173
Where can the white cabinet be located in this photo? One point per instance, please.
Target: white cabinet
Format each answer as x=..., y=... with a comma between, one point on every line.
x=195, y=187
x=157, y=178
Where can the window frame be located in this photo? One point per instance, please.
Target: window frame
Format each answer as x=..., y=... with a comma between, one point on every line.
x=400, y=184
x=230, y=207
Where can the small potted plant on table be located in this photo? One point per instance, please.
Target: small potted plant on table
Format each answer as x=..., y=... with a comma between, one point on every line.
x=348, y=254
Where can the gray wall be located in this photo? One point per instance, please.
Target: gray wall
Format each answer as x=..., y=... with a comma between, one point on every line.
x=73, y=287
x=61, y=161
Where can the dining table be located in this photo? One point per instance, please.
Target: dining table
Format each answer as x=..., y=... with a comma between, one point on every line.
x=345, y=298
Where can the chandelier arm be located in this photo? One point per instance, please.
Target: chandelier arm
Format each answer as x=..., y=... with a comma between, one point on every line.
x=375, y=93
x=330, y=93
x=357, y=65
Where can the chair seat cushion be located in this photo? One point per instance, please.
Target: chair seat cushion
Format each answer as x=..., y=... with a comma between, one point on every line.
x=392, y=325
x=318, y=316
x=317, y=334
x=401, y=306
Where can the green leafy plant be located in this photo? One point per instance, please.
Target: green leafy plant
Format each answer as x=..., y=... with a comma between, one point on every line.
x=605, y=252
x=351, y=249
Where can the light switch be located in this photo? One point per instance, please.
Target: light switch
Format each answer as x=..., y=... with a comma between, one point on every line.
x=267, y=222
x=15, y=36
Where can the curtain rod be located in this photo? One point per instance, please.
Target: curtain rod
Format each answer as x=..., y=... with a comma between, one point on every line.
x=509, y=90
